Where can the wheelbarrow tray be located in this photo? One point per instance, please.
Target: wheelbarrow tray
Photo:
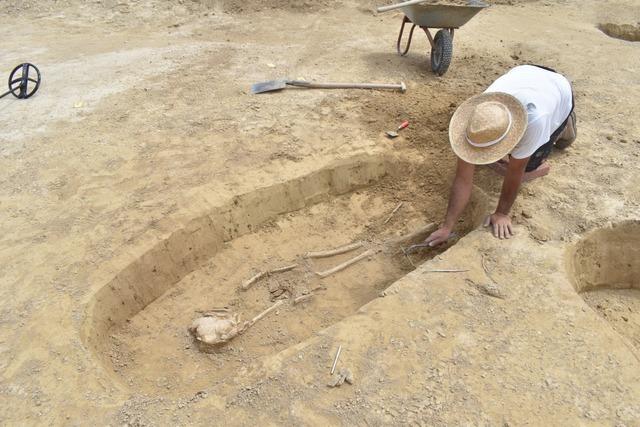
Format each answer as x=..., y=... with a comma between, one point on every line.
x=441, y=15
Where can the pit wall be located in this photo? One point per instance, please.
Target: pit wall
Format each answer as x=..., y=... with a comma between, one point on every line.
x=607, y=257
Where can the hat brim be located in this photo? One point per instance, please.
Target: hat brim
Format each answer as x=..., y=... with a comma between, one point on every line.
x=493, y=153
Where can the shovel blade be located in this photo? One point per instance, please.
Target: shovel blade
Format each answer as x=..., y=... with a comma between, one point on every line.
x=269, y=86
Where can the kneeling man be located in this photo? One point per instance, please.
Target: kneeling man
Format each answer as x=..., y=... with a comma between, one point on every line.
x=513, y=126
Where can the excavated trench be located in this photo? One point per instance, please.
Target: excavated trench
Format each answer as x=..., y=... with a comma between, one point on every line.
x=626, y=32
x=137, y=323
x=606, y=271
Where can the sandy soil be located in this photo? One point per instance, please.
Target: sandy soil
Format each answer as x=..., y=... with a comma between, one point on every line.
x=144, y=183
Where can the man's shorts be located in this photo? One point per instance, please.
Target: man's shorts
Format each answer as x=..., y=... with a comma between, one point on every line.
x=543, y=152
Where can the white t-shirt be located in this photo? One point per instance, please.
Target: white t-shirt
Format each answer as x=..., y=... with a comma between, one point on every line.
x=546, y=96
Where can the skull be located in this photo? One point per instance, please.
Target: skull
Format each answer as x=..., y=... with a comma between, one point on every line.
x=216, y=327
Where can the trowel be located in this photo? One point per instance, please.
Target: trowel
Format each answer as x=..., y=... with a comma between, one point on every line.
x=419, y=246
x=392, y=134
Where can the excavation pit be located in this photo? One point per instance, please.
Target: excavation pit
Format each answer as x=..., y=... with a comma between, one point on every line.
x=626, y=32
x=138, y=322
x=606, y=271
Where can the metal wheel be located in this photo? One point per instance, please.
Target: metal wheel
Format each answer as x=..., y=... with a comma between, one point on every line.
x=442, y=52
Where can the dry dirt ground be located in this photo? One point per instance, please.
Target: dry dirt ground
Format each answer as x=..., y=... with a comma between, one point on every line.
x=144, y=183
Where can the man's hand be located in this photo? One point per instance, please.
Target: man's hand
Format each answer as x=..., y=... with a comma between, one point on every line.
x=502, y=227
x=439, y=236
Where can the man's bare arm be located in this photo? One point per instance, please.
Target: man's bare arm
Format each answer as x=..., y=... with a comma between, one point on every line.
x=458, y=199
x=500, y=220
x=511, y=184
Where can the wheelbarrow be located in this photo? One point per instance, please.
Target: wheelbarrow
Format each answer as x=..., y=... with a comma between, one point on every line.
x=428, y=16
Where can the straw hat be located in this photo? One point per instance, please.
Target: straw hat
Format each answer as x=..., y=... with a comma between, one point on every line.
x=486, y=127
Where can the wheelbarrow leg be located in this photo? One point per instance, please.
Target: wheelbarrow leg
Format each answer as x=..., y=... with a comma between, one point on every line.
x=413, y=27
x=426, y=30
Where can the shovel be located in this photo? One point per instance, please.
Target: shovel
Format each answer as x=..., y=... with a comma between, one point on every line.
x=274, y=85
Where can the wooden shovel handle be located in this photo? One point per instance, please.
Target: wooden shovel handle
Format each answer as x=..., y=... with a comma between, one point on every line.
x=398, y=5
x=302, y=83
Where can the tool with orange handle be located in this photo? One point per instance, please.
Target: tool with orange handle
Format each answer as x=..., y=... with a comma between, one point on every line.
x=392, y=134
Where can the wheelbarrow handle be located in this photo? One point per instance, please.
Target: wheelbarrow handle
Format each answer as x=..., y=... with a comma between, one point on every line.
x=398, y=5
x=303, y=83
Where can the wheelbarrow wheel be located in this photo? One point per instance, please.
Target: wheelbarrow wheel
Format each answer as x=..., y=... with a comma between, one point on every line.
x=442, y=52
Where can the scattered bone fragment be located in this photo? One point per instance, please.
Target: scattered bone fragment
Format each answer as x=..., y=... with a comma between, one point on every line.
x=332, y=252
x=264, y=313
x=283, y=269
x=335, y=360
x=302, y=299
x=393, y=212
x=248, y=283
x=345, y=264
x=395, y=242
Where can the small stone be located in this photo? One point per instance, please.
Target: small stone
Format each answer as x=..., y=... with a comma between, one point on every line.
x=336, y=380
x=492, y=290
x=347, y=374
x=273, y=286
x=526, y=214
